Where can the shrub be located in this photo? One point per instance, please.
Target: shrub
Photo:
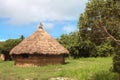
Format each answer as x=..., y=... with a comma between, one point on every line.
x=86, y=48
x=104, y=50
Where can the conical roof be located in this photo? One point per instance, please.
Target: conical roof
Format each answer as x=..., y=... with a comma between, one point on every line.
x=39, y=42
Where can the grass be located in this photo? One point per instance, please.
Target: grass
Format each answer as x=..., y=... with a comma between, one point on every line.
x=79, y=69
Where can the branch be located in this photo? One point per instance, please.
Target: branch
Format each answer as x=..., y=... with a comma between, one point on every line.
x=112, y=37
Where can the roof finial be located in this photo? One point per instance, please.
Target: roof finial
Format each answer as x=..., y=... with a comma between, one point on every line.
x=41, y=26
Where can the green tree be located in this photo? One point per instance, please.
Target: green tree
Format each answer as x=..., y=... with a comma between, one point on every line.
x=87, y=48
x=6, y=46
x=22, y=37
x=71, y=42
x=76, y=46
x=9, y=44
x=101, y=22
x=1, y=46
x=105, y=49
x=100, y=13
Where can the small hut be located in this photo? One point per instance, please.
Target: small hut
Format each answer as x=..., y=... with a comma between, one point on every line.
x=2, y=57
x=39, y=49
x=5, y=57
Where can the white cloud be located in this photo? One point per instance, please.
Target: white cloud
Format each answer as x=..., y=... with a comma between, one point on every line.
x=26, y=11
x=69, y=28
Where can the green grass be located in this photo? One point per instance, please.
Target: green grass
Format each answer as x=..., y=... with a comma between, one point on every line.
x=79, y=69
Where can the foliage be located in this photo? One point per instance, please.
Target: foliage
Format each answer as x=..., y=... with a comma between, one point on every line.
x=79, y=48
x=78, y=69
x=86, y=48
x=95, y=15
x=104, y=75
x=99, y=14
x=22, y=37
x=6, y=46
x=116, y=61
x=71, y=42
x=1, y=46
x=105, y=50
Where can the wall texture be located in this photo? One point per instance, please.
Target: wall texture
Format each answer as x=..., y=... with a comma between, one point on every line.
x=38, y=60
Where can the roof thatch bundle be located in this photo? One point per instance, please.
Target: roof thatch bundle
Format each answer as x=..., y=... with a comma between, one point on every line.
x=39, y=42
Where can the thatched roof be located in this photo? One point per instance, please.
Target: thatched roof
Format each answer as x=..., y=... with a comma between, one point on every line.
x=39, y=42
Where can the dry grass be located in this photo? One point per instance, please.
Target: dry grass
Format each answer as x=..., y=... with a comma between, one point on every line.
x=39, y=42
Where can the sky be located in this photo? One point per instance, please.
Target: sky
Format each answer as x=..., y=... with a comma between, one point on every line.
x=22, y=17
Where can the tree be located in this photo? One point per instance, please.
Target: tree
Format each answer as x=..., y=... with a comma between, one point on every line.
x=99, y=13
x=22, y=37
x=1, y=46
x=9, y=44
x=76, y=46
x=101, y=22
x=6, y=46
x=71, y=42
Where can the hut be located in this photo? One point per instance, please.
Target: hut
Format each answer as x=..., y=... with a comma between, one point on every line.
x=4, y=54
x=38, y=50
x=5, y=57
x=2, y=57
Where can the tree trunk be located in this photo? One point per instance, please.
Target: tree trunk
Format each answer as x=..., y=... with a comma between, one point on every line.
x=118, y=76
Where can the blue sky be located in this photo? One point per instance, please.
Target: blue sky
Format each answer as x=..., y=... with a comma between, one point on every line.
x=22, y=17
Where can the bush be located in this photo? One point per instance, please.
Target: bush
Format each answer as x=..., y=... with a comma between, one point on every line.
x=105, y=50
x=86, y=48
x=104, y=75
x=83, y=49
x=8, y=45
x=116, y=61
